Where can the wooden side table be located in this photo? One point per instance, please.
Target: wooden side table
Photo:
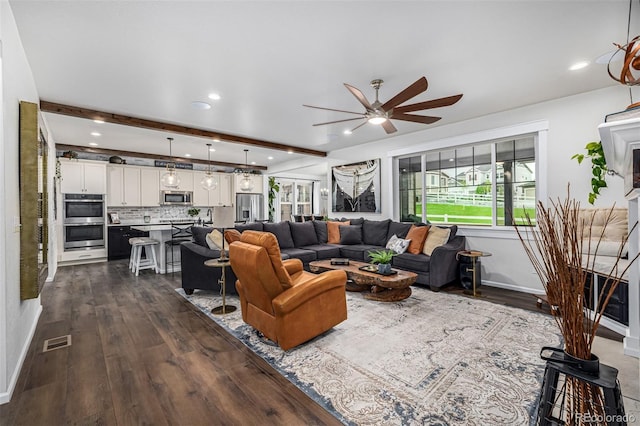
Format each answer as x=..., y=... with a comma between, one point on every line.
x=224, y=308
x=473, y=255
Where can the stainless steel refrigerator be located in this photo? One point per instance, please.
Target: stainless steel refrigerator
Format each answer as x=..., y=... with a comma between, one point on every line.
x=249, y=207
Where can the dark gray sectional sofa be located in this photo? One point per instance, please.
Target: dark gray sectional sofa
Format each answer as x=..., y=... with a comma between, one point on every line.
x=307, y=241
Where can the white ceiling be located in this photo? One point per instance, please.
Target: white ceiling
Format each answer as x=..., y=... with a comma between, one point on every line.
x=151, y=59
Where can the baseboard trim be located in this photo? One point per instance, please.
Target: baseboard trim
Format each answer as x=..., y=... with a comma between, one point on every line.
x=6, y=396
x=512, y=287
x=632, y=346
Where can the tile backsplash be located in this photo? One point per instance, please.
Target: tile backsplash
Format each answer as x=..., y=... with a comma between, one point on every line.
x=156, y=213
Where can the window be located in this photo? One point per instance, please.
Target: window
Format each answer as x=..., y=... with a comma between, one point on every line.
x=490, y=183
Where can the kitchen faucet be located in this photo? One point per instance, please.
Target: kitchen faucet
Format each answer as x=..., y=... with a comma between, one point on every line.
x=210, y=215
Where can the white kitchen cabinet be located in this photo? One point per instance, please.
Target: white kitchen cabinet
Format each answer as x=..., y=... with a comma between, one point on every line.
x=221, y=196
x=149, y=187
x=123, y=186
x=186, y=181
x=255, y=179
x=82, y=177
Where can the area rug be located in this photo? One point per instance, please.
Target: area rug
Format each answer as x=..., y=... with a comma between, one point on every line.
x=434, y=359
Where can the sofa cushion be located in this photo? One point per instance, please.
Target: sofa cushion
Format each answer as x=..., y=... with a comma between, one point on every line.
x=305, y=256
x=350, y=234
x=398, y=245
x=399, y=229
x=356, y=221
x=417, y=235
x=324, y=251
x=231, y=235
x=321, y=231
x=333, y=233
x=436, y=237
x=453, y=229
x=303, y=233
x=359, y=251
x=200, y=235
x=253, y=226
x=374, y=232
x=412, y=262
x=214, y=239
x=282, y=231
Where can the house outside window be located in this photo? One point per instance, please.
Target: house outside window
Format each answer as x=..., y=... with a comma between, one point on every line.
x=492, y=183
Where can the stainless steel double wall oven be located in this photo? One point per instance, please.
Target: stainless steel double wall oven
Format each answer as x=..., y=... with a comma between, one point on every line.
x=83, y=221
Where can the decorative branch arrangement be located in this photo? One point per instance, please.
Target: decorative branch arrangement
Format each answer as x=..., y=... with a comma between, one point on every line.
x=563, y=251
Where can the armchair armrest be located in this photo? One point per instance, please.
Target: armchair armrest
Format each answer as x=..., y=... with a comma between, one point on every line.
x=292, y=266
x=298, y=295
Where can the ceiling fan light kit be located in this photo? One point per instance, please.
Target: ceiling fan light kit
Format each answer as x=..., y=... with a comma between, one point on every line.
x=170, y=179
x=379, y=113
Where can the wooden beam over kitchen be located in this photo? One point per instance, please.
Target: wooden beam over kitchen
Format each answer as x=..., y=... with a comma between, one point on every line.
x=111, y=152
x=108, y=117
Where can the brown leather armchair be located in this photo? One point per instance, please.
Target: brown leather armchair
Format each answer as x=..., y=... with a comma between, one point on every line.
x=278, y=298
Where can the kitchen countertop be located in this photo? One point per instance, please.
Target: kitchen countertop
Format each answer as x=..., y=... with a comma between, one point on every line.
x=140, y=222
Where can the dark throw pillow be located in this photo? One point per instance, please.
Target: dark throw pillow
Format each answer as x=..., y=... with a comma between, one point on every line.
x=374, y=232
x=303, y=233
x=253, y=226
x=282, y=232
x=350, y=234
x=399, y=229
x=321, y=231
x=200, y=235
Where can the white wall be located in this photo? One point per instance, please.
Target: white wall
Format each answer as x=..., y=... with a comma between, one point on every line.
x=17, y=318
x=572, y=123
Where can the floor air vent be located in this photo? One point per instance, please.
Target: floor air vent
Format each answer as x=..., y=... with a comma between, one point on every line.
x=57, y=343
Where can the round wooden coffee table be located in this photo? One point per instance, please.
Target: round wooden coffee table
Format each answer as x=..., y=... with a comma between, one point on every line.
x=383, y=288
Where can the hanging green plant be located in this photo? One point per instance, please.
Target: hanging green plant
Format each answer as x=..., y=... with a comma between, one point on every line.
x=599, y=168
x=274, y=188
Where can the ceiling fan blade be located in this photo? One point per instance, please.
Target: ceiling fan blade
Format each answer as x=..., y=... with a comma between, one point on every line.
x=389, y=127
x=414, y=90
x=358, y=94
x=359, y=125
x=434, y=103
x=414, y=118
x=331, y=109
x=337, y=121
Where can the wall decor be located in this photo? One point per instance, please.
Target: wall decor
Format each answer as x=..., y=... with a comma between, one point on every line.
x=33, y=203
x=356, y=187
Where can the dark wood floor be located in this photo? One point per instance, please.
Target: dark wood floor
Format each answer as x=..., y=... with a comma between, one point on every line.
x=141, y=354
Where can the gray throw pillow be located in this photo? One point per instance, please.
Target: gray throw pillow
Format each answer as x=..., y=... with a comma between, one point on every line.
x=303, y=233
x=321, y=231
x=374, y=232
x=282, y=232
x=350, y=234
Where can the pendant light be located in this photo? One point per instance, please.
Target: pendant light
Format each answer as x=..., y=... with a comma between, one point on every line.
x=170, y=179
x=209, y=182
x=246, y=184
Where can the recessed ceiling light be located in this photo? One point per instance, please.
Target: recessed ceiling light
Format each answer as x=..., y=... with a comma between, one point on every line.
x=216, y=139
x=578, y=65
x=214, y=96
x=95, y=134
x=253, y=163
x=269, y=158
x=93, y=144
x=187, y=155
x=212, y=150
x=347, y=132
x=98, y=121
x=200, y=105
x=451, y=159
x=289, y=152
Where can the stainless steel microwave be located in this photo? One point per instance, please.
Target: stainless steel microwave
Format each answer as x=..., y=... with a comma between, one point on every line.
x=176, y=198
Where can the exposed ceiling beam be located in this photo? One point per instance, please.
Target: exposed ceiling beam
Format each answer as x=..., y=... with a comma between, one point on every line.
x=108, y=117
x=110, y=152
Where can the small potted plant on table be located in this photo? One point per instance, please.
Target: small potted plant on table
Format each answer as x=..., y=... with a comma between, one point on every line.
x=383, y=259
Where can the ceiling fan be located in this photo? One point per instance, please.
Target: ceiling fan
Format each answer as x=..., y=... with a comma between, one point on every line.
x=381, y=113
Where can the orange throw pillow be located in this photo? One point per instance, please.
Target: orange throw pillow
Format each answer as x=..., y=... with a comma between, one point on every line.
x=417, y=235
x=333, y=233
x=231, y=235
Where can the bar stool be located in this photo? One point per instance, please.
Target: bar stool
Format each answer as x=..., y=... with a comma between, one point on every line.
x=179, y=234
x=136, y=262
